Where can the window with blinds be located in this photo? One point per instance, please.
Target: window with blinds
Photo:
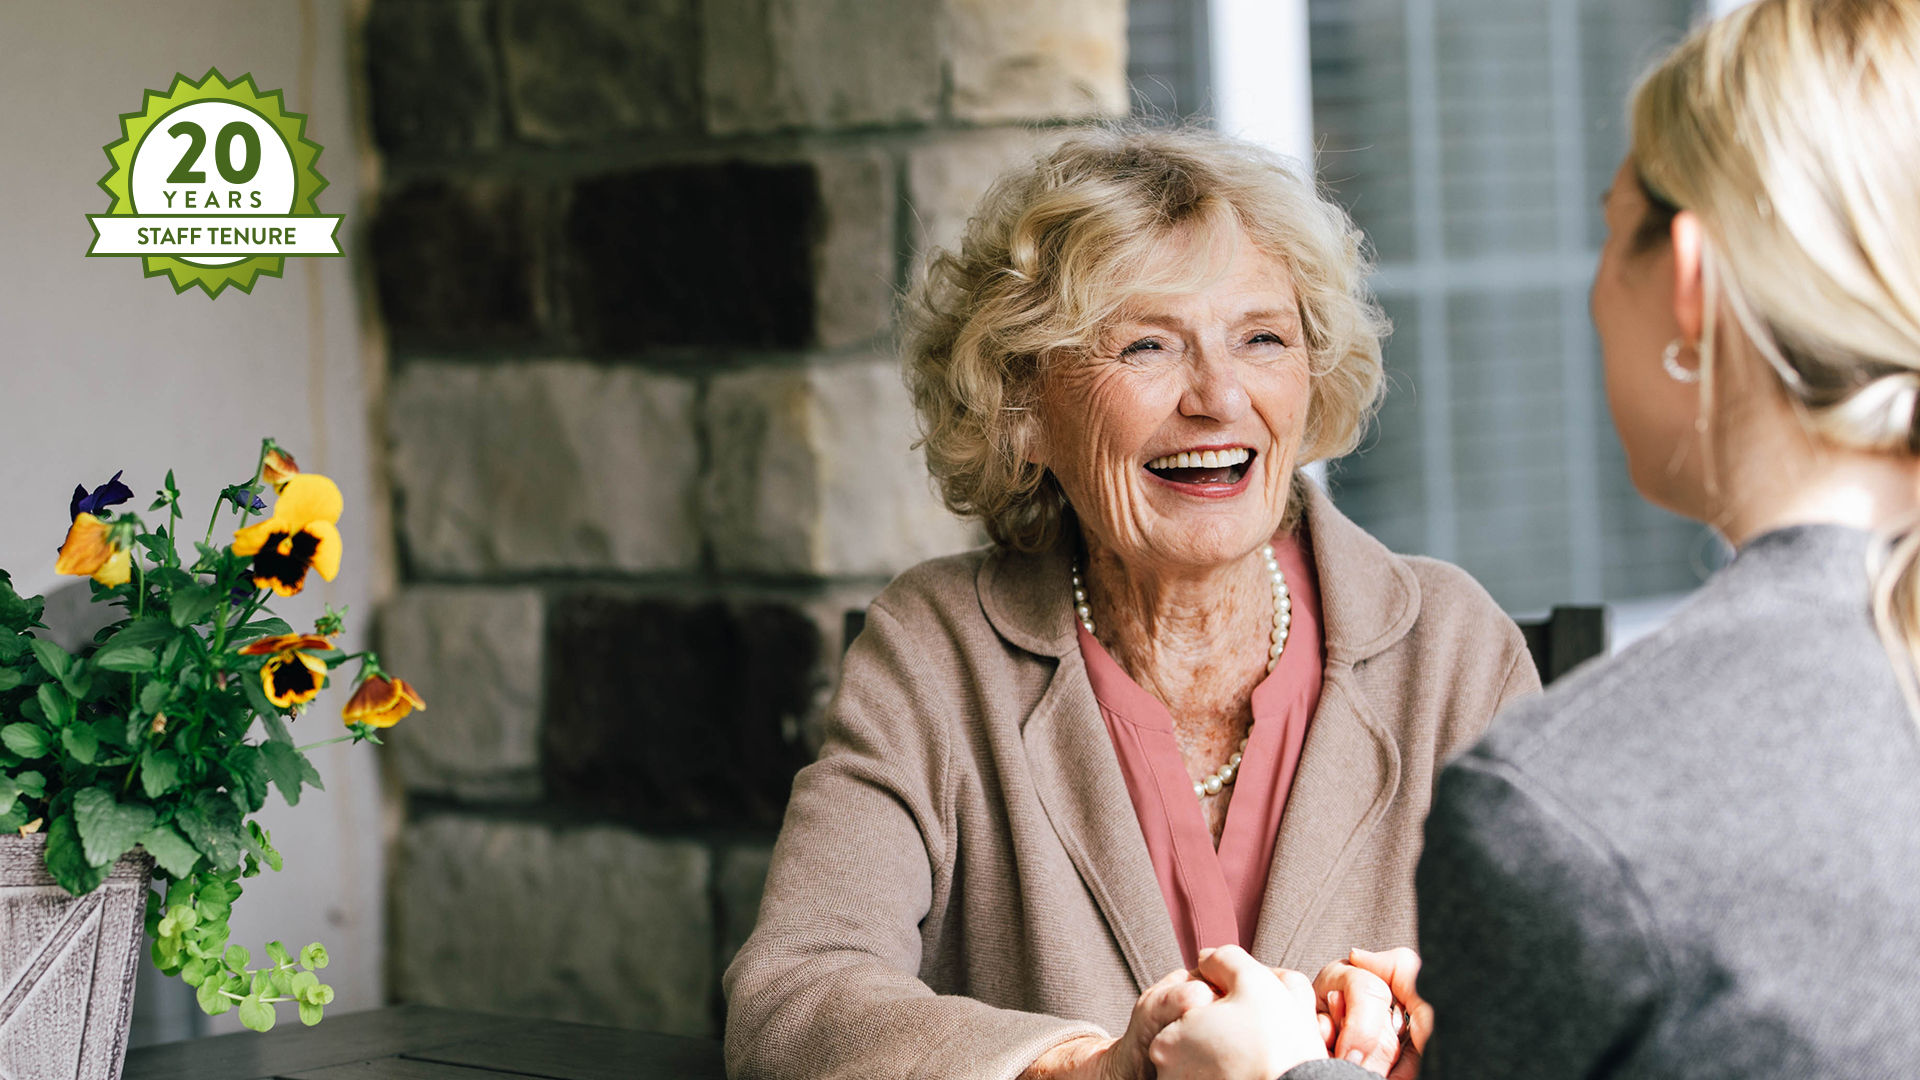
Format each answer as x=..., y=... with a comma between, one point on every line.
x=1472, y=140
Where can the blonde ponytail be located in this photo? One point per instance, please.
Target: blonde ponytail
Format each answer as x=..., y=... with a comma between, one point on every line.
x=1791, y=129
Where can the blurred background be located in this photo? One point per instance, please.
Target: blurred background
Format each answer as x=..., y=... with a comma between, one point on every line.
x=608, y=379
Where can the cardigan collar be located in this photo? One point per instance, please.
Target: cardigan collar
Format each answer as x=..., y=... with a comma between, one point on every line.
x=1369, y=596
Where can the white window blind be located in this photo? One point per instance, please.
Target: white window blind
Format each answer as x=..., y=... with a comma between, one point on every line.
x=1472, y=139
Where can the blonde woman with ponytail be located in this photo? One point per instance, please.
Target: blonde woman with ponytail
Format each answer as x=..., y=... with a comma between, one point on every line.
x=1701, y=858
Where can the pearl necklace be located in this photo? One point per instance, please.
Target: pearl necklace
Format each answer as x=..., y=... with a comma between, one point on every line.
x=1223, y=777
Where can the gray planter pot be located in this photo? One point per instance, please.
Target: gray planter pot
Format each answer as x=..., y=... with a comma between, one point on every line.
x=66, y=966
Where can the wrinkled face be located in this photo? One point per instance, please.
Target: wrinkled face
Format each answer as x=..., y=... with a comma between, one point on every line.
x=1175, y=439
x=1633, y=311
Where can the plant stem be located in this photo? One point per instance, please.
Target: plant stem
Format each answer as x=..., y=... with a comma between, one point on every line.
x=325, y=742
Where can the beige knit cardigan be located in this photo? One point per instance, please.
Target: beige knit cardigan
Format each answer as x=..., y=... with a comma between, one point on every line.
x=961, y=883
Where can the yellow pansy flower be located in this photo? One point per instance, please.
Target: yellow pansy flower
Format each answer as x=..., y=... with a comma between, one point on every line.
x=300, y=535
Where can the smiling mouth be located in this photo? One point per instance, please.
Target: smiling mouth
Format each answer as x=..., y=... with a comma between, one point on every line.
x=1203, y=467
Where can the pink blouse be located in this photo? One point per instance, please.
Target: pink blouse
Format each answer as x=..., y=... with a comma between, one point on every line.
x=1214, y=895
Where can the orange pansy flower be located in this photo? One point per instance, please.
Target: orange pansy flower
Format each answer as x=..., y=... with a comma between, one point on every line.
x=89, y=551
x=381, y=702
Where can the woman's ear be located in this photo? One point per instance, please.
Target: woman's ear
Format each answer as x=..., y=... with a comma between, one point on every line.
x=1689, y=291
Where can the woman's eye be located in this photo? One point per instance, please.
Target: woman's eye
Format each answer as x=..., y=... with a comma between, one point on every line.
x=1143, y=345
x=1265, y=338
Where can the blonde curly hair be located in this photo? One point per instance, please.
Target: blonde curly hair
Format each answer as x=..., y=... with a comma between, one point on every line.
x=1054, y=251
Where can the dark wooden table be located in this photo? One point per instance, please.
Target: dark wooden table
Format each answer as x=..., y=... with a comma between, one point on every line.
x=414, y=1042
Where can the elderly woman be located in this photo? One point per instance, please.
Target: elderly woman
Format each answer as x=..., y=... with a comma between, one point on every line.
x=1179, y=703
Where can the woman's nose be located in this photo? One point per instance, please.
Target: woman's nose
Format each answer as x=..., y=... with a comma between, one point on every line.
x=1214, y=390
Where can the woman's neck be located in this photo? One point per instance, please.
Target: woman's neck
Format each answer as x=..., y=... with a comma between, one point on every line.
x=1182, y=630
x=1792, y=480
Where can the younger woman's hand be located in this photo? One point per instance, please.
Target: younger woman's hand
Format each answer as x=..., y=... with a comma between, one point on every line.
x=1263, y=1024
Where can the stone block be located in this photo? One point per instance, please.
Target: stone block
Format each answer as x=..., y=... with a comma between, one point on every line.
x=709, y=254
x=593, y=925
x=554, y=465
x=674, y=713
x=739, y=879
x=813, y=471
x=779, y=64
x=476, y=655
x=586, y=69
x=463, y=263
x=947, y=177
x=431, y=76
x=1036, y=61
x=853, y=256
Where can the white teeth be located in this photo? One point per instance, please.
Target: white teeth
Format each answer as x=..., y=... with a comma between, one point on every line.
x=1202, y=459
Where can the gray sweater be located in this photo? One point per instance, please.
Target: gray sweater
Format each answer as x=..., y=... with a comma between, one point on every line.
x=1700, y=858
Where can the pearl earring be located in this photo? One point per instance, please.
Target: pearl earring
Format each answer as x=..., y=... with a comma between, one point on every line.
x=1670, y=360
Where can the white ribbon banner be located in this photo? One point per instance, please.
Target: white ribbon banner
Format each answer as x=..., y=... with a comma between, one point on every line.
x=211, y=235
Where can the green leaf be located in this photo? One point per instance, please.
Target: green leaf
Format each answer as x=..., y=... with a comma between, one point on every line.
x=237, y=958
x=256, y=1014
x=9, y=791
x=159, y=772
x=67, y=860
x=54, y=660
x=277, y=980
x=321, y=995
x=275, y=725
x=32, y=783
x=121, y=657
x=284, y=766
x=259, y=628
x=28, y=740
x=112, y=731
x=17, y=613
x=147, y=632
x=108, y=828
x=9, y=679
x=311, y=1014
x=301, y=983
x=313, y=957
x=55, y=705
x=212, y=822
x=80, y=742
x=78, y=680
x=247, y=769
x=278, y=953
x=212, y=1001
x=257, y=694
x=173, y=853
x=193, y=603
x=153, y=697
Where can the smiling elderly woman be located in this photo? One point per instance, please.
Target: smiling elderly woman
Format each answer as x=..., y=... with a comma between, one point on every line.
x=1179, y=703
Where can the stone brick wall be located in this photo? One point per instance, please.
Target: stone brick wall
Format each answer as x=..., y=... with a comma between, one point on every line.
x=648, y=442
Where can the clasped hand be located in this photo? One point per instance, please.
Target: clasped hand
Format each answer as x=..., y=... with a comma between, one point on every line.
x=1233, y=1018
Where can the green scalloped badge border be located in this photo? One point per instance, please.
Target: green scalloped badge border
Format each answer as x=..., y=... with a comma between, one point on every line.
x=292, y=126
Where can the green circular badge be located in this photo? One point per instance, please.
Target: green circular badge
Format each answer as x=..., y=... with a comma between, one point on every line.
x=213, y=184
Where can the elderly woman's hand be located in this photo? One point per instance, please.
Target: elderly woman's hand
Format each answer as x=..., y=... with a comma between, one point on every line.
x=1264, y=1024
x=1359, y=1003
x=1125, y=1058
x=1399, y=969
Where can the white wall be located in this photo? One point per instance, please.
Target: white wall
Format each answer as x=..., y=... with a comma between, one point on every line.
x=102, y=369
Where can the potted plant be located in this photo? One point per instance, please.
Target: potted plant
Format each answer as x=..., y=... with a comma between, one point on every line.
x=144, y=757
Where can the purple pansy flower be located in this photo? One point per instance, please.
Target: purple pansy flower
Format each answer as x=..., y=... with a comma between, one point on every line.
x=111, y=493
